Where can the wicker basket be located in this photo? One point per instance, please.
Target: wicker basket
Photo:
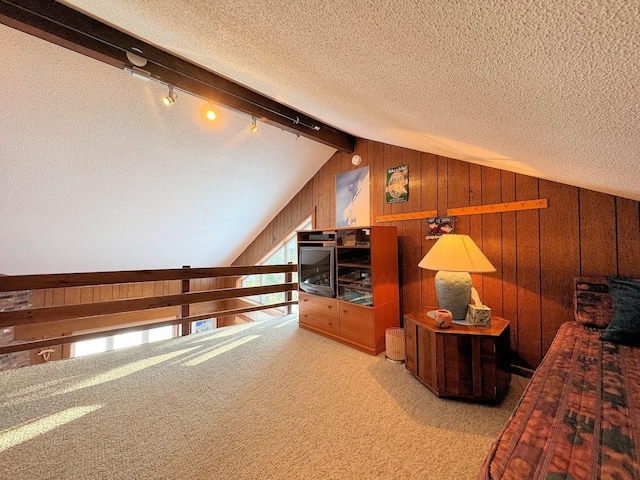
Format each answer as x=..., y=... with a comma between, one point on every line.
x=394, y=342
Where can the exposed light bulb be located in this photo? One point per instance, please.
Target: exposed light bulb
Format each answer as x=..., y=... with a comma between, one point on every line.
x=211, y=115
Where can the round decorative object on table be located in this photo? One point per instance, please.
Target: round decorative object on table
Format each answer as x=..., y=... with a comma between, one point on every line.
x=443, y=318
x=394, y=345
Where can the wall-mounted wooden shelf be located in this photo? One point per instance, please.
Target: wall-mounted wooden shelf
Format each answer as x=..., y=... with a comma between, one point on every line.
x=407, y=216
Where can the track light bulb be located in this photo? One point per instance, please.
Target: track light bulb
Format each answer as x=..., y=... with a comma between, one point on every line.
x=171, y=98
x=254, y=126
x=211, y=115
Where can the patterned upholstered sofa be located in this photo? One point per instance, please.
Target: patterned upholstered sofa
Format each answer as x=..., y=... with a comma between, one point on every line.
x=579, y=416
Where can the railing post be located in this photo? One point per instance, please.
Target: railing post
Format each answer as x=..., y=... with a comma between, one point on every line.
x=288, y=295
x=184, y=309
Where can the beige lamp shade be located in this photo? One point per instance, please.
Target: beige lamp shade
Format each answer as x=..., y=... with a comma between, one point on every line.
x=456, y=253
x=454, y=256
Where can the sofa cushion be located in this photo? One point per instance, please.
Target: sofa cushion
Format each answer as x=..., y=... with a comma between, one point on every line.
x=592, y=302
x=625, y=324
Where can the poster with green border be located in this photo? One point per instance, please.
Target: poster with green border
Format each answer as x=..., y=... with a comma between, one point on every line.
x=397, y=189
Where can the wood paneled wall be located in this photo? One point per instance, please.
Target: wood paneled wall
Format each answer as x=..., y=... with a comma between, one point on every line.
x=536, y=253
x=299, y=208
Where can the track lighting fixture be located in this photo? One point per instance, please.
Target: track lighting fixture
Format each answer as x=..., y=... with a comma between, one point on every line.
x=140, y=74
x=171, y=98
x=254, y=127
x=137, y=59
x=211, y=114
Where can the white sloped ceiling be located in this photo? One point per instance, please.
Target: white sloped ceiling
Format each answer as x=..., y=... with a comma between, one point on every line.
x=97, y=174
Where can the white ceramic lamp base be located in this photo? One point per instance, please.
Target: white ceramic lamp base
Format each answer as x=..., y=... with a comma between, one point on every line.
x=454, y=292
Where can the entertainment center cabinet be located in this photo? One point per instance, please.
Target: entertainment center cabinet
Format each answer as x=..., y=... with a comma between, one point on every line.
x=364, y=280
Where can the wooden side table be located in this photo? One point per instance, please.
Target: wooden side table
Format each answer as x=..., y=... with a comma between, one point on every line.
x=464, y=361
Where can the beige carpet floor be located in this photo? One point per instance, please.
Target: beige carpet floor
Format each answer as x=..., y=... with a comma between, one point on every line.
x=264, y=400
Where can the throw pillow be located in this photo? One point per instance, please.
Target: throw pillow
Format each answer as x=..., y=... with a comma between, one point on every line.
x=592, y=302
x=625, y=324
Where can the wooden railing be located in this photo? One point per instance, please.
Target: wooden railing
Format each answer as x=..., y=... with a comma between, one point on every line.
x=89, y=311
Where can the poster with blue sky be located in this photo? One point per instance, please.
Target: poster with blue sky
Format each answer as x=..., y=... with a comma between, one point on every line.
x=352, y=198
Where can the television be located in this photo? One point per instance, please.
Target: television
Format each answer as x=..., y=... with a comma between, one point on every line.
x=316, y=270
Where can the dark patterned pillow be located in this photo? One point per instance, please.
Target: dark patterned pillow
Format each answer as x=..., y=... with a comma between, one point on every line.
x=592, y=302
x=625, y=324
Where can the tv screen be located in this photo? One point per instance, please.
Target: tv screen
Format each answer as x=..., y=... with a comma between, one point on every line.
x=316, y=271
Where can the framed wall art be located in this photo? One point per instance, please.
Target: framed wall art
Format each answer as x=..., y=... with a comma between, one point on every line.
x=397, y=188
x=352, y=198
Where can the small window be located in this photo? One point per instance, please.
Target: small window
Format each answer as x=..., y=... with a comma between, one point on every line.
x=200, y=326
x=283, y=253
x=128, y=339
x=88, y=347
x=122, y=340
x=161, y=333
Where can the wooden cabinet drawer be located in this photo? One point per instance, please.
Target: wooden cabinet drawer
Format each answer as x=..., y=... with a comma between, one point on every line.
x=317, y=304
x=326, y=323
x=356, y=323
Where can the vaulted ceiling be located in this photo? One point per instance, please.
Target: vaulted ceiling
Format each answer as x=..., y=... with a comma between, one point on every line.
x=99, y=175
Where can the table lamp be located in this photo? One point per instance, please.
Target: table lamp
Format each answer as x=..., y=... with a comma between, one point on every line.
x=454, y=256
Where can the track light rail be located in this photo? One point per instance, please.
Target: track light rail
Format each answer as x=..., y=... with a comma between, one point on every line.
x=59, y=24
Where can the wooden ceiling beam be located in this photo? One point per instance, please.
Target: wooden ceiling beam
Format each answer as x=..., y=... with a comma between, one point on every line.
x=59, y=24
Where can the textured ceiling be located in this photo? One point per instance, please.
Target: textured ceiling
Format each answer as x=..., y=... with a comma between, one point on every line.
x=545, y=88
x=89, y=156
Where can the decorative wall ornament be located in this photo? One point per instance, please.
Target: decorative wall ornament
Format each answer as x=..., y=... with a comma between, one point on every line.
x=397, y=184
x=352, y=198
x=440, y=226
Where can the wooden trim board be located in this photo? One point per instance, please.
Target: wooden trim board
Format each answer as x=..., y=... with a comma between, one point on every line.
x=475, y=210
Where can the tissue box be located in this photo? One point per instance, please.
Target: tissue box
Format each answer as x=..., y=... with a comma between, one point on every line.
x=479, y=315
